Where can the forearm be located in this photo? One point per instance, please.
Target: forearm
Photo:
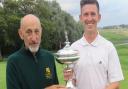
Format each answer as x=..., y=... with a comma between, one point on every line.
x=114, y=85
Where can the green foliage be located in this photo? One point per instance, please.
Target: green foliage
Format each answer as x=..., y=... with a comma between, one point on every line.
x=54, y=22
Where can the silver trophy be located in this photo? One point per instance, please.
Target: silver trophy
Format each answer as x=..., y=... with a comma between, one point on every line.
x=67, y=56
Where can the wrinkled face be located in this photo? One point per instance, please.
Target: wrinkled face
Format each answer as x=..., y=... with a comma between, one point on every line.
x=90, y=16
x=31, y=34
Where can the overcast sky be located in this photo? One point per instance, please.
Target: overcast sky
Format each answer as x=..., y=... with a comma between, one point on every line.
x=113, y=12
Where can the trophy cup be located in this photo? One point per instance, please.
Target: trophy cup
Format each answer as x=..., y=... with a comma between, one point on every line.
x=67, y=56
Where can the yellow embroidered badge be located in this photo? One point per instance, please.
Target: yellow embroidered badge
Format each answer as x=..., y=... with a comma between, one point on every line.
x=48, y=73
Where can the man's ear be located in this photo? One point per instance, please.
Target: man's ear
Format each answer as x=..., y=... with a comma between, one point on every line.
x=99, y=17
x=20, y=33
x=81, y=20
x=80, y=17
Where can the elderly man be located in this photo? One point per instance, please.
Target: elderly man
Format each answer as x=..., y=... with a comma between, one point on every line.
x=31, y=67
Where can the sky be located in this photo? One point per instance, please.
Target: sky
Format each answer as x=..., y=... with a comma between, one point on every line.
x=113, y=12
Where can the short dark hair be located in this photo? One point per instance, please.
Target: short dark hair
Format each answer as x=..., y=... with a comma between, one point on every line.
x=84, y=2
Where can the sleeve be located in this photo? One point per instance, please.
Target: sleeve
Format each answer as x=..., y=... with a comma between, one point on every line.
x=12, y=81
x=114, y=68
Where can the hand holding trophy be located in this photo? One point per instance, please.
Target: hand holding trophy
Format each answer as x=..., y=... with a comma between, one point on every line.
x=67, y=56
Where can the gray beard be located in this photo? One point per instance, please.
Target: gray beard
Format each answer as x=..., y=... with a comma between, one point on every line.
x=33, y=49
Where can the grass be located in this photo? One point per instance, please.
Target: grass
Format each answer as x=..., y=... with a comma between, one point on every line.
x=123, y=55
x=117, y=36
x=60, y=73
x=3, y=75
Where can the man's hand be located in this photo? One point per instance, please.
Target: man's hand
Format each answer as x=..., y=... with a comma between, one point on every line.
x=56, y=87
x=114, y=85
x=68, y=73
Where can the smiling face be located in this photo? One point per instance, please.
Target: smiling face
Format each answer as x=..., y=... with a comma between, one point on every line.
x=90, y=17
x=30, y=32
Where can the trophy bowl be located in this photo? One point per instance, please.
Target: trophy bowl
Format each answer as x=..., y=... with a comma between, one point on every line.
x=68, y=56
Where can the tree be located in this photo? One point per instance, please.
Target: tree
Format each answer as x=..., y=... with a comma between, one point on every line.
x=53, y=20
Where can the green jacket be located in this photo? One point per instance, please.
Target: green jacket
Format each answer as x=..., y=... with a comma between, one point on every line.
x=26, y=71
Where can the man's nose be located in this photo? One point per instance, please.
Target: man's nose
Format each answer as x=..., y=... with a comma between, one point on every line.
x=89, y=17
x=34, y=37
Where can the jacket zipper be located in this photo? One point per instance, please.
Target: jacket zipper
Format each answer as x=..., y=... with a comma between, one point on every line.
x=35, y=59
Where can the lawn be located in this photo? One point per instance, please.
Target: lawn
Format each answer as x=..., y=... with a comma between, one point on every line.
x=117, y=36
x=3, y=75
x=123, y=55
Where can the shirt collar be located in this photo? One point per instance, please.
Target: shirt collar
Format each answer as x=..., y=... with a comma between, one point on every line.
x=84, y=41
x=94, y=43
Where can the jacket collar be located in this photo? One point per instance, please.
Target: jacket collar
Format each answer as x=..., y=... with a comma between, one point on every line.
x=27, y=51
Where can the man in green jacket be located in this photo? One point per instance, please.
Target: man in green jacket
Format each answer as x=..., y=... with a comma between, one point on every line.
x=31, y=67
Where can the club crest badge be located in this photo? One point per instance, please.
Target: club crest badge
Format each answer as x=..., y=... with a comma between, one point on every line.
x=48, y=74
